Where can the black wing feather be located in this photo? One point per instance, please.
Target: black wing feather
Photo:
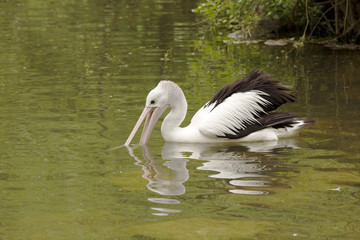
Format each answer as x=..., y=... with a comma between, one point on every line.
x=256, y=80
x=275, y=120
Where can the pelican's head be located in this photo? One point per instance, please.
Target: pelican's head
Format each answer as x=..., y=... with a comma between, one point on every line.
x=158, y=99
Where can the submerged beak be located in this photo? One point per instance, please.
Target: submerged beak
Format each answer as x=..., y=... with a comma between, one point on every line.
x=152, y=115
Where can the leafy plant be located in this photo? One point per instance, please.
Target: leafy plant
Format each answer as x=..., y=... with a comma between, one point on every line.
x=240, y=14
x=339, y=19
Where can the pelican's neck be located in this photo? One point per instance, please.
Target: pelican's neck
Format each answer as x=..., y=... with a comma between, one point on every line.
x=177, y=114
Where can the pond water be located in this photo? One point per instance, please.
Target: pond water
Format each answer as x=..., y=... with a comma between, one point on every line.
x=73, y=80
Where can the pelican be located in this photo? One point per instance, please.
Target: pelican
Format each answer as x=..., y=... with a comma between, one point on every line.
x=241, y=111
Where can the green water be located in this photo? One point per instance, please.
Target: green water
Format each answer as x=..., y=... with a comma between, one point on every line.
x=73, y=80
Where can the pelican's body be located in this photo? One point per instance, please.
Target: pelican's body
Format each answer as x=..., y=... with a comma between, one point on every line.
x=239, y=112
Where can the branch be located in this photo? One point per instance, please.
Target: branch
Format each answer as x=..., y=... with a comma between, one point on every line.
x=345, y=18
x=307, y=20
x=323, y=16
x=349, y=29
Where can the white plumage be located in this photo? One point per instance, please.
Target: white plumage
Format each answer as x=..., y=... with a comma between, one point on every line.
x=239, y=112
x=235, y=112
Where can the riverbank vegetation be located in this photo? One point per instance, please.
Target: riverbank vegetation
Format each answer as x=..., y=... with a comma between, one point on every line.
x=338, y=20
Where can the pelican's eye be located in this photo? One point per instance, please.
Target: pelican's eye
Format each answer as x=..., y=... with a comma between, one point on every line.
x=152, y=102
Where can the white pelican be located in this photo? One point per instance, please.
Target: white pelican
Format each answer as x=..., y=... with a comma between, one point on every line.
x=239, y=112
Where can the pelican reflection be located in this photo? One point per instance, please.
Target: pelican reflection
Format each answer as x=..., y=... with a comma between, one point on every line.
x=243, y=166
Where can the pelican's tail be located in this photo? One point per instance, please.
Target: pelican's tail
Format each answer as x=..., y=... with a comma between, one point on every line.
x=292, y=128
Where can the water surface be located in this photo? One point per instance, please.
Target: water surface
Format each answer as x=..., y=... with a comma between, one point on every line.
x=73, y=80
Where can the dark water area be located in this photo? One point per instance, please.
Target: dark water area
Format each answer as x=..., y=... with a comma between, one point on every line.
x=74, y=76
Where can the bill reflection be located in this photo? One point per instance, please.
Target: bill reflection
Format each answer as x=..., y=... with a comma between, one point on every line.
x=165, y=177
